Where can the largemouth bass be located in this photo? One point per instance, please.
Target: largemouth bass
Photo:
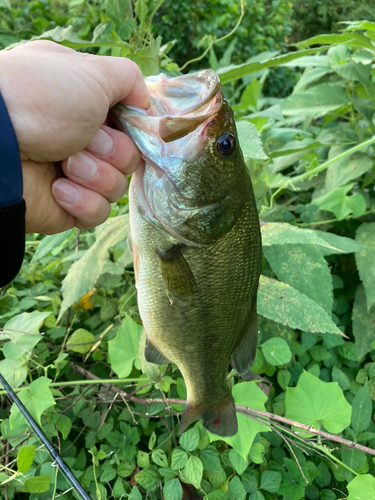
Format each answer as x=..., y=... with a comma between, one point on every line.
x=196, y=241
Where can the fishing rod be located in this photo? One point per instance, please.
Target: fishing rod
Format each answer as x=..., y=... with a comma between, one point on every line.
x=83, y=495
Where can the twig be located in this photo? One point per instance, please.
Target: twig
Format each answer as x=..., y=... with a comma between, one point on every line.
x=244, y=410
x=286, y=440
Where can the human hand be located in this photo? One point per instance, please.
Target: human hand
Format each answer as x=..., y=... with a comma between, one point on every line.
x=58, y=101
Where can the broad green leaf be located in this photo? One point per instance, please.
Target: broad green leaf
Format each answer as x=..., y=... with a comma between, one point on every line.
x=210, y=459
x=159, y=457
x=276, y=351
x=245, y=394
x=250, y=481
x=314, y=401
x=353, y=40
x=148, y=479
x=38, y=484
x=37, y=398
x=257, y=495
x=117, y=9
x=6, y=4
x=193, y=471
x=141, y=10
x=282, y=303
x=172, y=490
x=250, y=141
x=365, y=260
x=283, y=378
x=304, y=268
x=189, y=439
x=125, y=28
x=250, y=95
x=270, y=481
x=363, y=322
x=256, y=453
x=340, y=243
x=340, y=377
x=307, y=61
x=80, y=341
x=84, y=273
x=239, y=463
x=14, y=371
x=48, y=243
x=64, y=425
x=25, y=458
x=123, y=349
x=179, y=459
x=361, y=410
x=236, y=491
x=108, y=474
x=103, y=29
x=311, y=75
x=148, y=58
x=362, y=488
x=315, y=101
x=281, y=233
x=232, y=73
x=345, y=170
x=340, y=204
x=294, y=147
x=135, y=494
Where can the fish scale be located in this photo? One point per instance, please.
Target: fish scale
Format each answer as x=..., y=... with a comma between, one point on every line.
x=196, y=281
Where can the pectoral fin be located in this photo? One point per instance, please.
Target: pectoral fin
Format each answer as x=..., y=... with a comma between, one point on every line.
x=243, y=357
x=153, y=355
x=178, y=277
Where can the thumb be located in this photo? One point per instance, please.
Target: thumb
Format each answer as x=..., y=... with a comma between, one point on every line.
x=125, y=81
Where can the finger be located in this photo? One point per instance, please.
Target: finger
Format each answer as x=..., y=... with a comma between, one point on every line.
x=88, y=207
x=125, y=81
x=116, y=148
x=89, y=171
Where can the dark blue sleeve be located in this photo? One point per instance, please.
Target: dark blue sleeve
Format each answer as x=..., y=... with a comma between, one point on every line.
x=12, y=206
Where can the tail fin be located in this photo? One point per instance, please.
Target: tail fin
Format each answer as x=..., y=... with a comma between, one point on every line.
x=219, y=418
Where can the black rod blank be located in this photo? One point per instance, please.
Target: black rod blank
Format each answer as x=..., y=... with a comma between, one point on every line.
x=52, y=450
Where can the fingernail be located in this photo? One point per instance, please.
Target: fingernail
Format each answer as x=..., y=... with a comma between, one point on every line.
x=64, y=191
x=102, y=143
x=81, y=166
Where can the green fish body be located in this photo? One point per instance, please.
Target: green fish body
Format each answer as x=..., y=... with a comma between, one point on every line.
x=196, y=241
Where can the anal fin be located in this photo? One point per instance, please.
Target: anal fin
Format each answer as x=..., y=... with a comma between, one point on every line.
x=153, y=355
x=178, y=277
x=243, y=357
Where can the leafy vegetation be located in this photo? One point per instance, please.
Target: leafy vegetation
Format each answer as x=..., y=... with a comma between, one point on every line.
x=71, y=333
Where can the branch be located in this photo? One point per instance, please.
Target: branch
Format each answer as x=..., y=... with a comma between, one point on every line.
x=244, y=410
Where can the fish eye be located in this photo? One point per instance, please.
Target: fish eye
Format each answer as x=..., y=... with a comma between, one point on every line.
x=226, y=144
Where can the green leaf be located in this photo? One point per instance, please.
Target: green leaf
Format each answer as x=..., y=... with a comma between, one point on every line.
x=232, y=73
x=250, y=95
x=236, y=491
x=6, y=4
x=108, y=474
x=256, y=453
x=84, y=273
x=250, y=141
x=141, y=10
x=270, y=481
x=193, y=471
x=365, y=259
x=340, y=377
x=159, y=457
x=217, y=495
x=125, y=28
x=148, y=58
x=239, y=463
x=143, y=459
x=362, y=488
x=347, y=169
x=14, y=371
x=80, y=341
x=38, y=484
x=363, y=322
x=37, y=398
x=189, y=439
x=245, y=394
x=340, y=204
x=172, y=490
x=148, y=479
x=179, y=459
x=361, y=410
x=117, y=9
x=280, y=233
x=304, y=268
x=276, y=351
x=314, y=401
x=135, y=494
x=315, y=101
x=283, y=378
x=257, y=495
x=282, y=303
x=123, y=349
x=48, y=243
x=210, y=459
x=353, y=40
x=25, y=458
x=102, y=29
x=64, y=425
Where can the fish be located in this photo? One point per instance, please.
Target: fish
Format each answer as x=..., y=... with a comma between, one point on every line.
x=195, y=240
